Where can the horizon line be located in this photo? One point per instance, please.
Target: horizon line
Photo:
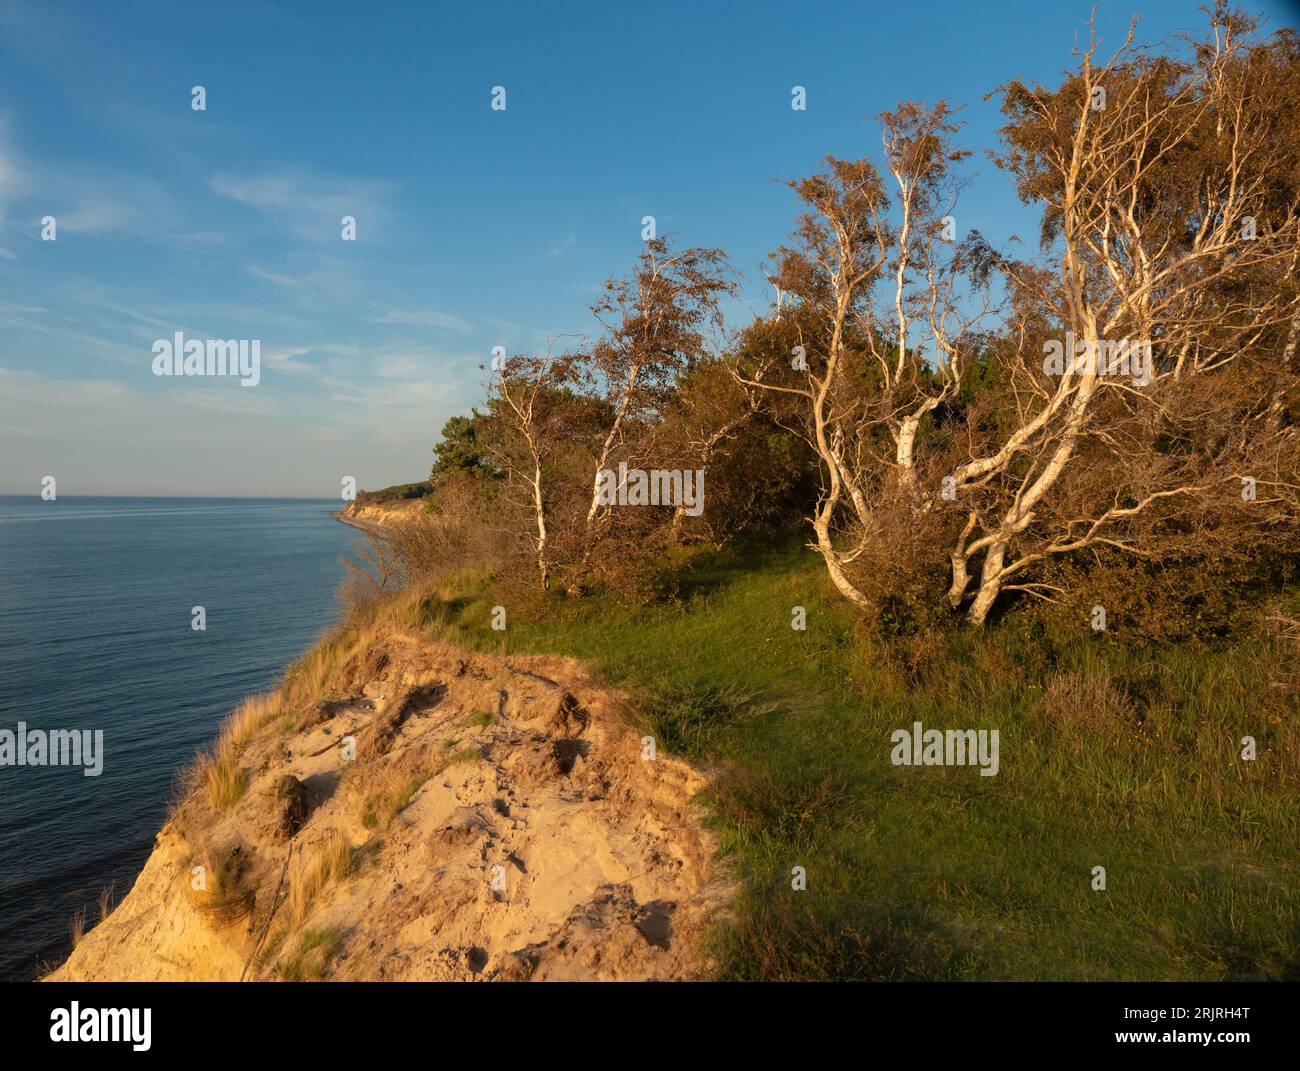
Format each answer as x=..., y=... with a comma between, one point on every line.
x=232, y=498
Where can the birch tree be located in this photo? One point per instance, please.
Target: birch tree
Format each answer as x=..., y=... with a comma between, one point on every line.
x=655, y=324
x=529, y=422
x=1158, y=180
x=882, y=300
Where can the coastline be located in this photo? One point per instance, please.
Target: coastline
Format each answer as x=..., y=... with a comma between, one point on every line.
x=507, y=858
x=171, y=684
x=369, y=527
x=373, y=517
x=473, y=836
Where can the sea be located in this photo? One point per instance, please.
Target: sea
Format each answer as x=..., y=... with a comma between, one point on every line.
x=98, y=601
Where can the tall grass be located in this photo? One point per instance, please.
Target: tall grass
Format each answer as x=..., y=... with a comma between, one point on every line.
x=387, y=793
x=77, y=927
x=331, y=861
x=219, y=768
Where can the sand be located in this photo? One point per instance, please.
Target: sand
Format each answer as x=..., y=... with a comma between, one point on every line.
x=543, y=844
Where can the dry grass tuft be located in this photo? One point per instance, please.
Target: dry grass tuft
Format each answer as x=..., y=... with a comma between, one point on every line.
x=310, y=961
x=219, y=769
x=388, y=792
x=77, y=927
x=216, y=888
x=105, y=902
x=331, y=861
x=225, y=780
x=1087, y=702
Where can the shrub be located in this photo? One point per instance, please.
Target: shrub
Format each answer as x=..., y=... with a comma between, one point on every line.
x=215, y=886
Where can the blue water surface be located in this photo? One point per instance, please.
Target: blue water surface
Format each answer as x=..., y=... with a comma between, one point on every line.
x=96, y=597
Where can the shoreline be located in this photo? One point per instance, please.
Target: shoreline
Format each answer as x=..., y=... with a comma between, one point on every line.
x=375, y=518
x=280, y=615
x=536, y=730
x=369, y=527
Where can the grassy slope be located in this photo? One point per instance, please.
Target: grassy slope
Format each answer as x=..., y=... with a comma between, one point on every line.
x=938, y=873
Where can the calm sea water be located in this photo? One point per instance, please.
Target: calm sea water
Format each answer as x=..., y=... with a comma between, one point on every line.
x=95, y=633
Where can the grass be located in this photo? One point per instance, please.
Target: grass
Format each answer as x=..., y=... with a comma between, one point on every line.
x=389, y=795
x=219, y=769
x=311, y=960
x=1112, y=754
x=77, y=927
x=216, y=886
x=332, y=861
x=105, y=902
x=226, y=781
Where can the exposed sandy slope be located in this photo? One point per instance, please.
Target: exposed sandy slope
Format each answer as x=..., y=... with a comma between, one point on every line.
x=607, y=872
x=382, y=513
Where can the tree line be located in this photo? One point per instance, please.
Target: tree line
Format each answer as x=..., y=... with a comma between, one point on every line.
x=1107, y=419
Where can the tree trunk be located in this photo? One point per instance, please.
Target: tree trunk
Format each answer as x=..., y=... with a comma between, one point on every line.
x=991, y=580
x=540, y=509
x=833, y=567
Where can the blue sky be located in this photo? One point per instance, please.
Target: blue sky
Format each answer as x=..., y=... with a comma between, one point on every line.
x=476, y=228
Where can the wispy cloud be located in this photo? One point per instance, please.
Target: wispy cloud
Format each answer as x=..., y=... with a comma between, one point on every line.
x=318, y=281
x=564, y=245
x=10, y=181
x=422, y=318
x=285, y=359
x=93, y=213
x=310, y=206
x=276, y=278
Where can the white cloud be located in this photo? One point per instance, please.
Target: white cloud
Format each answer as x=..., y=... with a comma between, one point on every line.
x=273, y=277
x=423, y=318
x=95, y=214
x=311, y=206
x=10, y=181
x=283, y=360
x=103, y=436
x=14, y=314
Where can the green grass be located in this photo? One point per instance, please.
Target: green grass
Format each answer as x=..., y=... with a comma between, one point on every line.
x=311, y=960
x=934, y=872
x=392, y=797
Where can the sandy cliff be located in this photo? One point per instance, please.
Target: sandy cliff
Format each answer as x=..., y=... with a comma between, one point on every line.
x=429, y=814
x=377, y=514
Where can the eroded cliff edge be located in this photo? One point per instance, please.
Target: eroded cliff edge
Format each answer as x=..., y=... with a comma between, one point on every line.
x=404, y=809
